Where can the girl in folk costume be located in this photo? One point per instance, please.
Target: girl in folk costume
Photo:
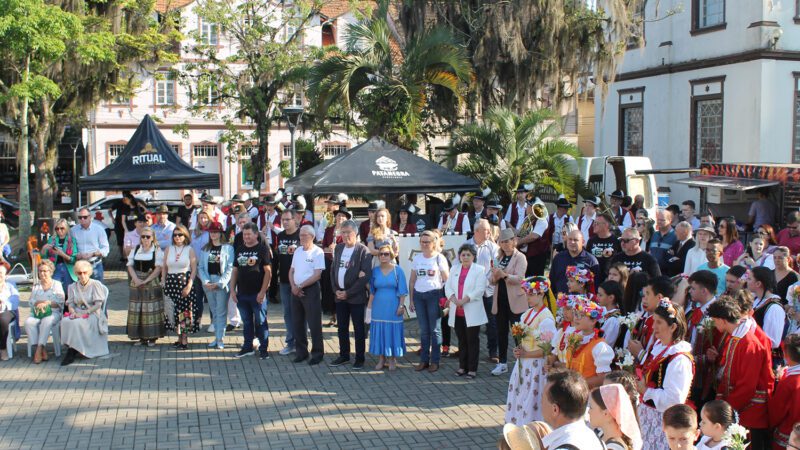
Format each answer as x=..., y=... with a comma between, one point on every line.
x=404, y=224
x=610, y=410
x=528, y=379
x=745, y=379
x=565, y=318
x=666, y=376
x=609, y=294
x=768, y=311
x=784, y=406
x=715, y=419
x=580, y=281
x=587, y=353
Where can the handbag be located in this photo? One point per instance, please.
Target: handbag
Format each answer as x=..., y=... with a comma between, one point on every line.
x=47, y=311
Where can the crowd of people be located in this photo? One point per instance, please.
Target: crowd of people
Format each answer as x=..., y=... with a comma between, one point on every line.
x=646, y=323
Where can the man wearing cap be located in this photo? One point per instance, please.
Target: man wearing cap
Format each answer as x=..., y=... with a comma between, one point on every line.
x=322, y=224
x=92, y=242
x=487, y=251
x=302, y=215
x=452, y=220
x=518, y=211
x=269, y=220
x=210, y=208
x=556, y=222
x=365, y=226
x=132, y=237
x=622, y=216
x=163, y=227
x=494, y=213
x=185, y=211
x=478, y=207
x=586, y=220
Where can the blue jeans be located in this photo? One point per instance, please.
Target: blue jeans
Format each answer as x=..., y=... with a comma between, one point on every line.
x=97, y=271
x=286, y=301
x=254, y=321
x=430, y=332
x=218, y=303
x=62, y=275
x=491, y=327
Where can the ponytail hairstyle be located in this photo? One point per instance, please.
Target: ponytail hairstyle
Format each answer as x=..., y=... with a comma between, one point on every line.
x=721, y=412
x=613, y=289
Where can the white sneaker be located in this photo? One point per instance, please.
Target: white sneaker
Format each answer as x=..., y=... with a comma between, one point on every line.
x=210, y=328
x=286, y=350
x=500, y=369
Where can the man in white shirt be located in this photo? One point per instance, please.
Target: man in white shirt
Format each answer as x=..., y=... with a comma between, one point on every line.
x=586, y=220
x=487, y=250
x=563, y=407
x=452, y=220
x=92, y=242
x=308, y=262
x=517, y=210
x=250, y=207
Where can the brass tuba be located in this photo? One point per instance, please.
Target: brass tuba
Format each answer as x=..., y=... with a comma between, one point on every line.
x=329, y=218
x=538, y=212
x=539, y=209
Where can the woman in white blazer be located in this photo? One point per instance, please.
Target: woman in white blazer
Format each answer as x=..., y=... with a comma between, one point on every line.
x=464, y=290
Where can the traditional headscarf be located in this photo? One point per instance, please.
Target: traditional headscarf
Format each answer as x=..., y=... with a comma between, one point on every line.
x=618, y=404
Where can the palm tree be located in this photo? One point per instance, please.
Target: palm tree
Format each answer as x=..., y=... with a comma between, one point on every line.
x=506, y=150
x=390, y=85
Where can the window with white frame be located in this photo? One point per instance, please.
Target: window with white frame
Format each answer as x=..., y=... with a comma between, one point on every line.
x=333, y=150
x=245, y=164
x=286, y=151
x=209, y=32
x=165, y=89
x=114, y=150
x=706, y=121
x=205, y=150
x=708, y=13
x=207, y=91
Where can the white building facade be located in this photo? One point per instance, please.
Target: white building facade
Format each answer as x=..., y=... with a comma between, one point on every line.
x=165, y=99
x=713, y=81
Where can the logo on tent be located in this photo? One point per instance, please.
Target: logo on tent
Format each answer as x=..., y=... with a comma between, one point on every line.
x=148, y=155
x=387, y=168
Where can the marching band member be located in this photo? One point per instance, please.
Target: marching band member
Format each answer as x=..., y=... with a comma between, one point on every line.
x=452, y=220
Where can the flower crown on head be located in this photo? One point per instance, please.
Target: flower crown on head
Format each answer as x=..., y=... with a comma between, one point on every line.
x=535, y=285
x=569, y=300
x=590, y=309
x=580, y=275
x=667, y=305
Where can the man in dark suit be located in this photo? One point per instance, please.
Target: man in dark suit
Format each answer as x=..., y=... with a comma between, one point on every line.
x=676, y=258
x=350, y=273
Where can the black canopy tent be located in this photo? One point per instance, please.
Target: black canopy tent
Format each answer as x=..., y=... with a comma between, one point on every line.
x=148, y=162
x=378, y=167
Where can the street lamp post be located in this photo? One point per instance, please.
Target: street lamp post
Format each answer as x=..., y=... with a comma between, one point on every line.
x=293, y=116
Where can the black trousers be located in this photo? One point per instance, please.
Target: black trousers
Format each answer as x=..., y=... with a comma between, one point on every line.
x=306, y=311
x=328, y=296
x=760, y=439
x=344, y=312
x=469, y=344
x=6, y=318
x=446, y=329
x=505, y=318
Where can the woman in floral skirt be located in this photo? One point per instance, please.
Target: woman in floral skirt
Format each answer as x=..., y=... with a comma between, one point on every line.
x=528, y=379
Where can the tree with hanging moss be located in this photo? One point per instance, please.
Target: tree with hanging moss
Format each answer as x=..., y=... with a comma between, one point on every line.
x=389, y=82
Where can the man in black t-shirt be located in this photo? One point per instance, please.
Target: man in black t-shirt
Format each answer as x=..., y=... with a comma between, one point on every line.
x=249, y=284
x=633, y=257
x=185, y=211
x=603, y=245
x=285, y=244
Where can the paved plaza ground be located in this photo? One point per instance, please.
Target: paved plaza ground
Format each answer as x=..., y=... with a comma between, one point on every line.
x=167, y=399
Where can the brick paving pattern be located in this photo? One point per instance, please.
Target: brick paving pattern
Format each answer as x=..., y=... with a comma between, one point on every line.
x=206, y=399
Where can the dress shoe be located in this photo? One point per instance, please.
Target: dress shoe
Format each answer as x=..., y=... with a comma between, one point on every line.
x=300, y=359
x=69, y=358
x=421, y=366
x=314, y=361
x=433, y=368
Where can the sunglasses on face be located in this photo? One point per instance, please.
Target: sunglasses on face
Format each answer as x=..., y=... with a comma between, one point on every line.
x=83, y=217
x=60, y=228
x=146, y=237
x=385, y=254
x=177, y=235
x=82, y=273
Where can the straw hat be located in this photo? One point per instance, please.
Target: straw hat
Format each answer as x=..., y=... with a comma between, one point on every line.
x=526, y=437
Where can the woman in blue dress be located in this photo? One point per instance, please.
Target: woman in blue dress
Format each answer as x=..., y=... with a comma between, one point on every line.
x=388, y=291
